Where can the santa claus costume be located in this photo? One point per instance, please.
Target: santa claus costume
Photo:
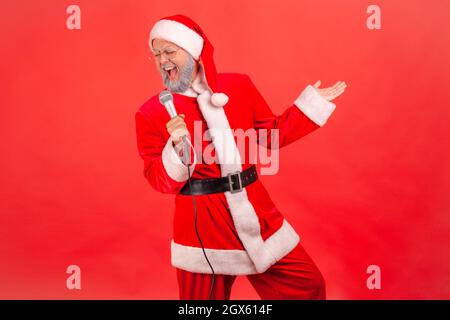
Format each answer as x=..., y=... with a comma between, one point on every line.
x=242, y=232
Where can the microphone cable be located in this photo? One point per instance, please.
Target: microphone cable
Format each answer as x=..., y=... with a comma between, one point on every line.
x=186, y=156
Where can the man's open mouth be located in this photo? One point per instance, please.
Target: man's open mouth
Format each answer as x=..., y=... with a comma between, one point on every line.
x=171, y=71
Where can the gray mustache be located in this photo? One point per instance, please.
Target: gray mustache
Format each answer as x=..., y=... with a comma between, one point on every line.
x=168, y=65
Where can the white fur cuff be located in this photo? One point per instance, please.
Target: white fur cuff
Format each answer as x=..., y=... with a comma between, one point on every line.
x=175, y=168
x=313, y=105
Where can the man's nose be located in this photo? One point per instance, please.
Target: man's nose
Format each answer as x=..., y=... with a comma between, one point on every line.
x=163, y=59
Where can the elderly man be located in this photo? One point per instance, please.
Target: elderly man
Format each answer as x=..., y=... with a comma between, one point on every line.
x=225, y=223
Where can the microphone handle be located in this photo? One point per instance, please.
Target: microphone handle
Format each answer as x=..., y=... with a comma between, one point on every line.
x=186, y=151
x=171, y=109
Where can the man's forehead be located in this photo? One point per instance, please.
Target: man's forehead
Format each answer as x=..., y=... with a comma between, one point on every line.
x=158, y=43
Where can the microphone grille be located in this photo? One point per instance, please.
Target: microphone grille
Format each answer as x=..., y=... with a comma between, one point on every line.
x=165, y=96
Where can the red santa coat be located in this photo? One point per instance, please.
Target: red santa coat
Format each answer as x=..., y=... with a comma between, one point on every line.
x=243, y=233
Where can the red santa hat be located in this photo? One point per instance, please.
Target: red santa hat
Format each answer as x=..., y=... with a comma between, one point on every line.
x=187, y=34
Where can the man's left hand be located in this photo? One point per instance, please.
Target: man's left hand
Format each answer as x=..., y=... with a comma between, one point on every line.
x=331, y=93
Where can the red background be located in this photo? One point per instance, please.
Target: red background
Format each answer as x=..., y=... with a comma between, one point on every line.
x=370, y=187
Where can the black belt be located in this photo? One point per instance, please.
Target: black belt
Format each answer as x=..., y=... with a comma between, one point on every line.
x=233, y=182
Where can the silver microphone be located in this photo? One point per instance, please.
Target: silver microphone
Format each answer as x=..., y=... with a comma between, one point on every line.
x=166, y=99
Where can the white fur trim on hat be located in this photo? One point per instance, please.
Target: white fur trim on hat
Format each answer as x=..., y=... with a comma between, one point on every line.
x=179, y=34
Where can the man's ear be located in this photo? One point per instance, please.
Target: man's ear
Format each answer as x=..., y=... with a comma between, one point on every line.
x=201, y=71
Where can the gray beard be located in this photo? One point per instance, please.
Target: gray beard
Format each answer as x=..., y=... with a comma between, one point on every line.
x=185, y=75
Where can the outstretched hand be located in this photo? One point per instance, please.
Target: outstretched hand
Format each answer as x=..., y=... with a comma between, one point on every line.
x=333, y=92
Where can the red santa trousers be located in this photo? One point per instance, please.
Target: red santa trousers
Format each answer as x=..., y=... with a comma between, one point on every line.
x=294, y=277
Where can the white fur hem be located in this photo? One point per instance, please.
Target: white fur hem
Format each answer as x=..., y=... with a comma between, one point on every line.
x=175, y=168
x=234, y=262
x=314, y=106
x=179, y=34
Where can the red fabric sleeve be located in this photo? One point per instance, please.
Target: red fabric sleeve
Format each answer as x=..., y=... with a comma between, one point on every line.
x=150, y=144
x=291, y=125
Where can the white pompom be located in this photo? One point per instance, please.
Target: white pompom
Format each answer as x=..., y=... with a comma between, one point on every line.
x=219, y=99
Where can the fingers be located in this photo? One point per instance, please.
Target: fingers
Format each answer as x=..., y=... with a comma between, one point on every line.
x=175, y=120
x=177, y=134
x=177, y=128
x=339, y=88
x=336, y=94
x=334, y=91
x=340, y=85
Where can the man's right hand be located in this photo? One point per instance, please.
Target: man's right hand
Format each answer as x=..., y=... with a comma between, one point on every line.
x=177, y=129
